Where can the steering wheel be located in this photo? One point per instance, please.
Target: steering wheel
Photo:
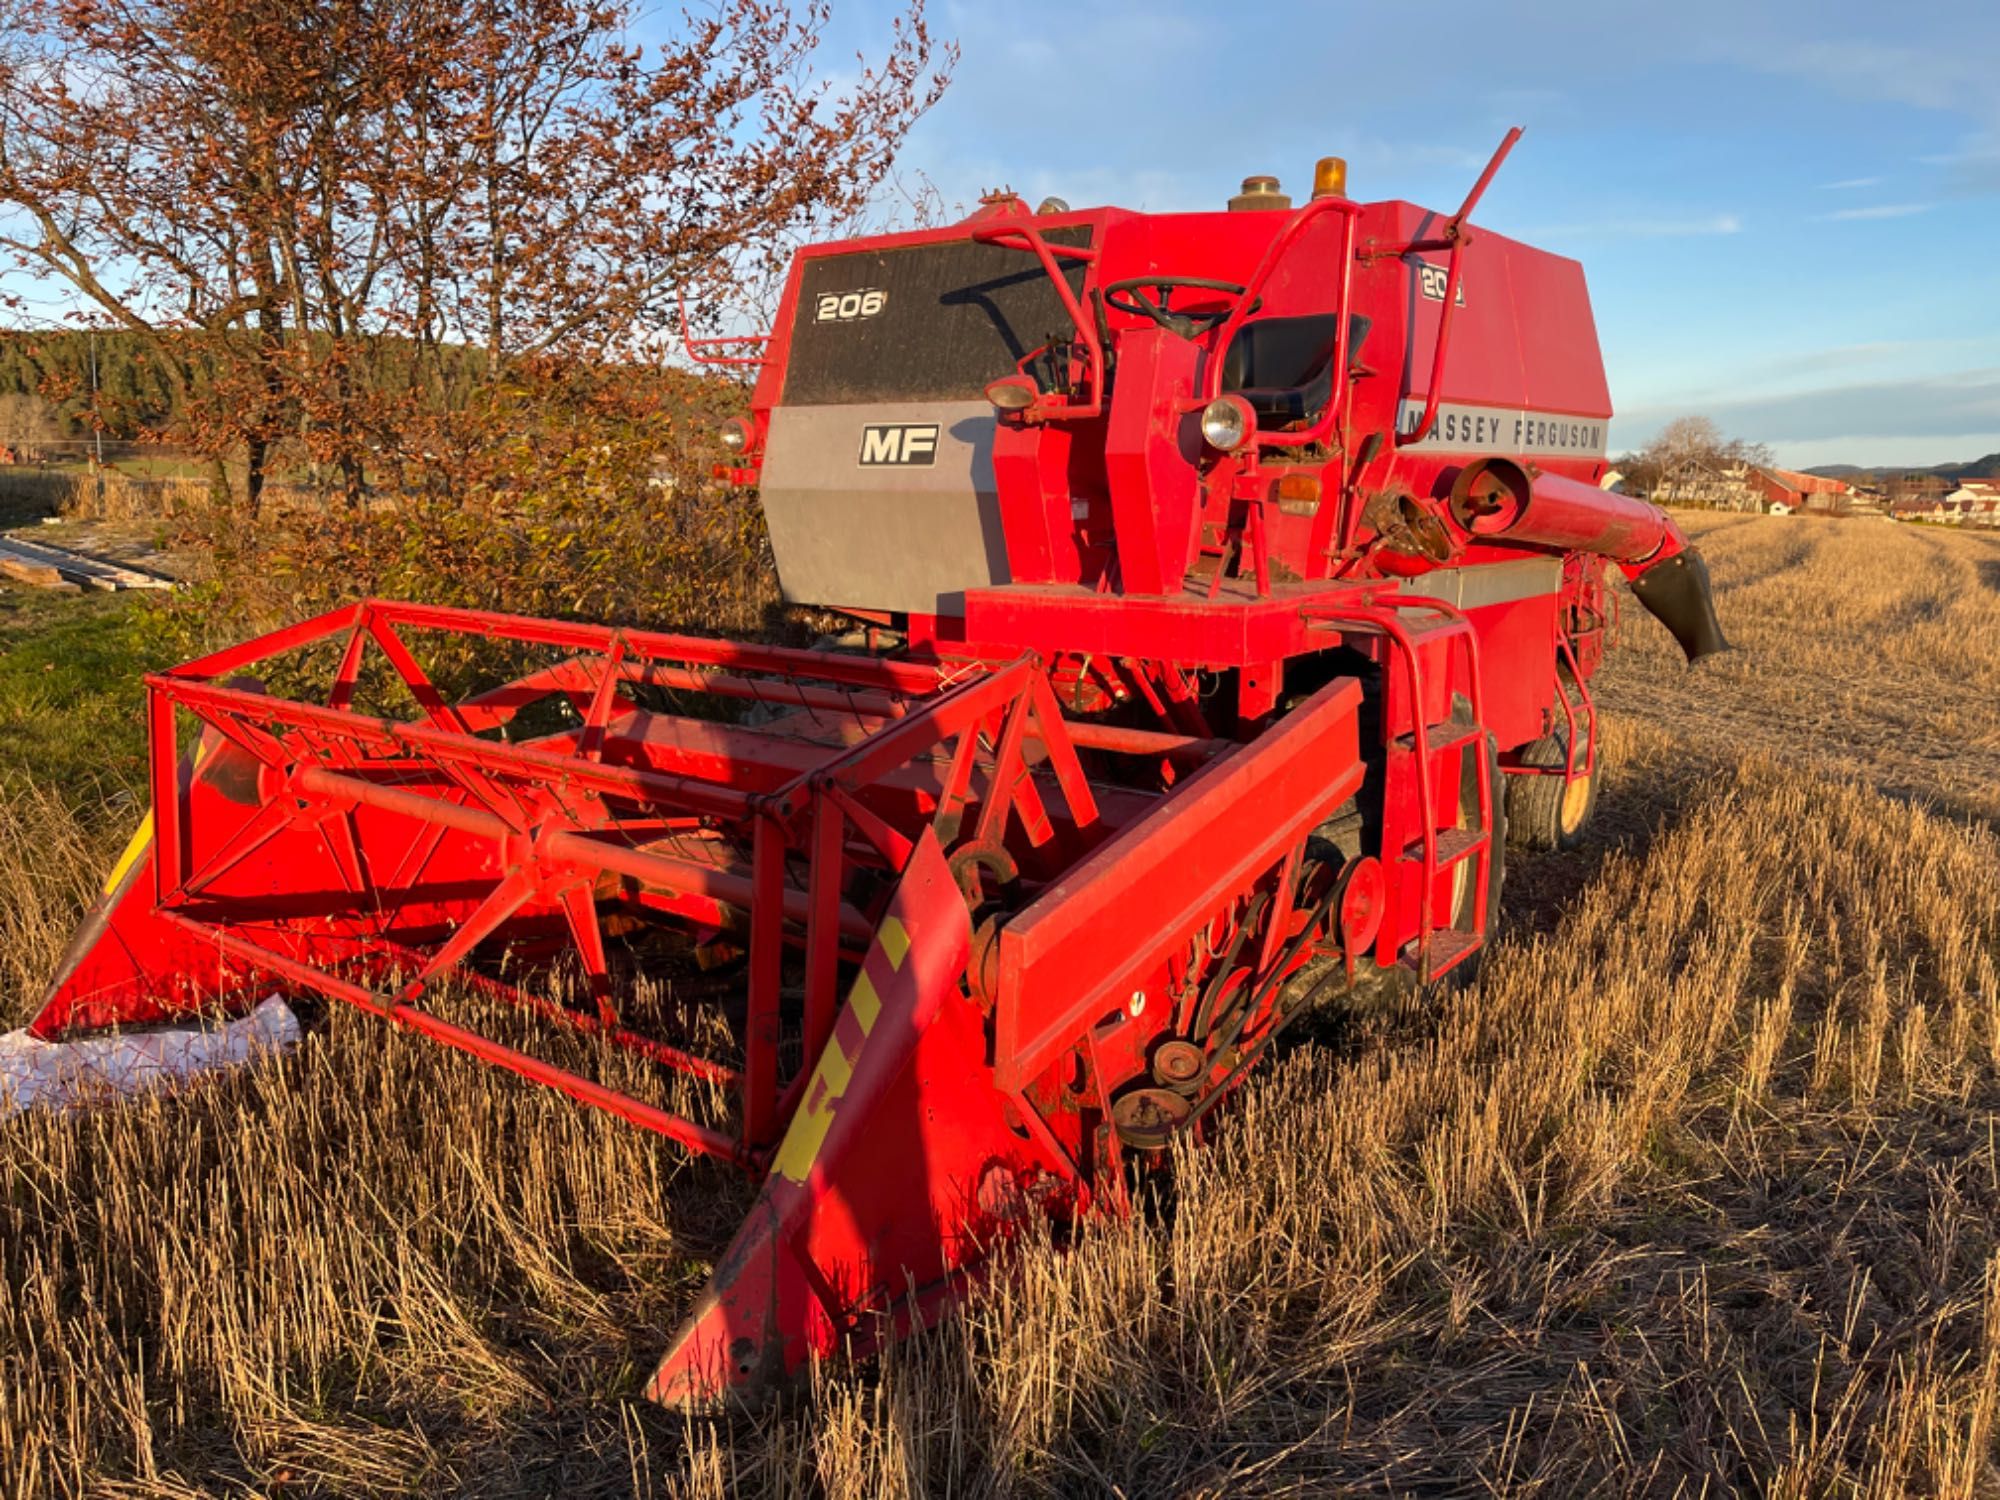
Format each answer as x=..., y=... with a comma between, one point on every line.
x=1130, y=297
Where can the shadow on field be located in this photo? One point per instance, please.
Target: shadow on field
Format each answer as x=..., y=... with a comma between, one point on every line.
x=1636, y=804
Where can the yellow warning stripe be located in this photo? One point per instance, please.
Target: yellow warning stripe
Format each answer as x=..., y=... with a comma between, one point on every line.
x=131, y=855
x=802, y=1142
x=144, y=836
x=894, y=940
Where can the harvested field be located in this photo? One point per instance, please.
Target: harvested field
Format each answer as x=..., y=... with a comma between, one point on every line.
x=1869, y=649
x=1695, y=1193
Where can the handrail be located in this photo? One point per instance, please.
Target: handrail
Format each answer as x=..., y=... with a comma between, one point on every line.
x=1086, y=332
x=1455, y=238
x=1247, y=299
x=694, y=346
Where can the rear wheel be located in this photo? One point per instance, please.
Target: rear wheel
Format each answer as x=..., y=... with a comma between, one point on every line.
x=1465, y=887
x=1465, y=882
x=1549, y=811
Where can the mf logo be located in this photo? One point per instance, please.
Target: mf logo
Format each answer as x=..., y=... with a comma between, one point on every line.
x=902, y=444
x=1431, y=281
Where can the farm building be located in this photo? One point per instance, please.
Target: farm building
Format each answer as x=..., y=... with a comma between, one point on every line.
x=1975, y=504
x=1933, y=509
x=1786, y=491
x=1707, y=484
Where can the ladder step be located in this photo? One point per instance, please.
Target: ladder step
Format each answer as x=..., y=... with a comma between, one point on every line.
x=1434, y=629
x=1453, y=846
x=1456, y=736
x=1450, y=947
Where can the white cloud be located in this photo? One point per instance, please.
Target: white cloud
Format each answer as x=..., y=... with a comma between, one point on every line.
x=1974, y=168
x=1920, y=76
x=1850, y=183
x=1939, y=414
x=1879, y=211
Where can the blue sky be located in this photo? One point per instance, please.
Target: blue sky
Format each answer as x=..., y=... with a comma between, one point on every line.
x=1789, y=212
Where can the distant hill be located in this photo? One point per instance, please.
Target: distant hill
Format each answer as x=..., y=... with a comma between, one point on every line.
x=1979, y=468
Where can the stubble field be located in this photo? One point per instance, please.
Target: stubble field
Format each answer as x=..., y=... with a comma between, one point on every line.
x=1695, y=1192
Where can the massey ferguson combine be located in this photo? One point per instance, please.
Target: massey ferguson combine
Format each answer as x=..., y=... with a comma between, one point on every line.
x=1226, y=583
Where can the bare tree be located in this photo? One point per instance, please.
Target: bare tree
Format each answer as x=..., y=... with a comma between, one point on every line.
x=1691, y=462
x=29, y=425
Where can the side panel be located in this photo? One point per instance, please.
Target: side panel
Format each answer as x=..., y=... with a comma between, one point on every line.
x=1072, y=956
x=1517, y=659
x=1523, y=373
x=1512, y=606
x=887, y=506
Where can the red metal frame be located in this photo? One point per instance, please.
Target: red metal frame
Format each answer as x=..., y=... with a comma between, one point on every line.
x=561, y=814
x=1049, y=406
x=389, y=862
x=1333, y=419
x=1431, y=762
x=697, y=349
x=1455, y=236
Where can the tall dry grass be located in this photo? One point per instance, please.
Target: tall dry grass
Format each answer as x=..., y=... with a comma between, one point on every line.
x=1695, y=1193
x=110, y=496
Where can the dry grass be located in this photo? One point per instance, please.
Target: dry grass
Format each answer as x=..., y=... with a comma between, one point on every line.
x=118, y=497
x=1697, y=1193
x=1867, y=648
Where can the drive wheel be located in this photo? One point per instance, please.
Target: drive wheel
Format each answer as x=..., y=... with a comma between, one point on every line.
x=1547, y=812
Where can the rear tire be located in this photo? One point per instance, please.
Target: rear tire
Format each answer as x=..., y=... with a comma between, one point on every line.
x=1549, y=812
x=1503, y=826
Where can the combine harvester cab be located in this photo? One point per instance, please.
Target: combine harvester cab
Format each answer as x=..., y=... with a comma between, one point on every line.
x=1226, y=578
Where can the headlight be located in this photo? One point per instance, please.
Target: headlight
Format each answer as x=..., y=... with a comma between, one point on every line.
x=735, y=434
x=1227, y=422
x=1012, y=393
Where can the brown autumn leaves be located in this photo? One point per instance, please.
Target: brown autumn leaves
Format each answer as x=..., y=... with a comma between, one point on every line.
x=415, y=261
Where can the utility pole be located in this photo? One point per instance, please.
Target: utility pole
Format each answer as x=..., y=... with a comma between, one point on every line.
x=96, y=424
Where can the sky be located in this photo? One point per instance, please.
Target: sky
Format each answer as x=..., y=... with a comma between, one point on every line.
x=1788, y=212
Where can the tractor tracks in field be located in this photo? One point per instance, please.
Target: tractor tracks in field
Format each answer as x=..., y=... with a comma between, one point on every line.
x=1866, y=650
x=1986, y=569
x=1797, y=551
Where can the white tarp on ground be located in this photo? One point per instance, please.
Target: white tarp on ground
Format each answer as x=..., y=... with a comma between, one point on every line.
x=64, y=1075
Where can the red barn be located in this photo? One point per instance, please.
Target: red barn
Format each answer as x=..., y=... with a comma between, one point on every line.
x=1787, y=491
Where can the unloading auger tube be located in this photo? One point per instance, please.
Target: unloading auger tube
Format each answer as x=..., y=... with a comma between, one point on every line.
x=1220, y=579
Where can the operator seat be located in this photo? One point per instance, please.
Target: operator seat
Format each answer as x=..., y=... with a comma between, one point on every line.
x=1284, y=366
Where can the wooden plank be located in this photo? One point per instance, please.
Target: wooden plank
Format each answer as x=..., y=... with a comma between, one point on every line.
x=40, y=575
x=76, y=567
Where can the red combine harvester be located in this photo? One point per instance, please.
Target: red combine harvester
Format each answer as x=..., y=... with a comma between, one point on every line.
x=1226, y=580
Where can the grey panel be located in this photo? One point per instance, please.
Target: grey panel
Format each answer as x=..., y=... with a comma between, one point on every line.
x=911, y=536
x=1464, y=428
x=1489, y=583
